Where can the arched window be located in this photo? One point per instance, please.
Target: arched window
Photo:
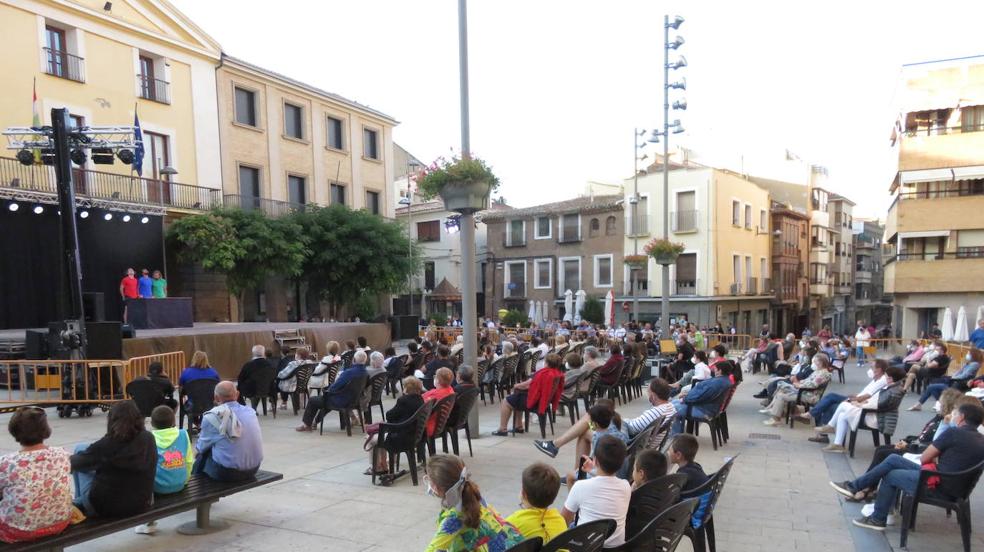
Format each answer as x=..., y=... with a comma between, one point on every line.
x=594, y=228
x=610, y=226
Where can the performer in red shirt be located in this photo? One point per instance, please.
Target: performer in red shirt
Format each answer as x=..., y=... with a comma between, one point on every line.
x=128, y=289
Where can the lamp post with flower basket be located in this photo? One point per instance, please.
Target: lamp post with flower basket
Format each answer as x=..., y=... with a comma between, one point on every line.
x=635, y=263
x=665, y=253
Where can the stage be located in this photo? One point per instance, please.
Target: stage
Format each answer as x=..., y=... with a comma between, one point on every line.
x=228, y=344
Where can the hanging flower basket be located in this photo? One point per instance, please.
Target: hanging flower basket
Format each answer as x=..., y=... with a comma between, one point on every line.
x=463, y=184
x=663, y=251
x=636, y=261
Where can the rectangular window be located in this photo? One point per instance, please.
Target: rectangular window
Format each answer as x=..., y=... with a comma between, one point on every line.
x=570, y=227
x=57, y=53
x=429, y=275
x=295, y=190
x=294, y=121
x=334, y=139
x=763, y=220
x=603, y=271
x=516, y=233
x=543, y=228
x=372, y=202
x=543, y=274
x=972, y=118
x=245, y=107
x=370, y=145
x=685, y=218
x=147, y=88
x=686, y=274
x=736, y=213
x=570, y=274
x=515, y=279
x=337, y=194
x=249, y=187
x=748, y=216
x=429, y=231
x=736, y=266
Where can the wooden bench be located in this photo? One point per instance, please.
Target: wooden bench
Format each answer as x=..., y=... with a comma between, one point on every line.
x=201, y=493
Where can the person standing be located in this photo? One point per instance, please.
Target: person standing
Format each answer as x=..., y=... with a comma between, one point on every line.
x=861, y=340
x=145, y=285
x=128, y=289
x=159, y=285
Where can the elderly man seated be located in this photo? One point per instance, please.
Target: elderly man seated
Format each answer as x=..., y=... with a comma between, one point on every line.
x=230, y=446
x=334, y=399
x=788, y=392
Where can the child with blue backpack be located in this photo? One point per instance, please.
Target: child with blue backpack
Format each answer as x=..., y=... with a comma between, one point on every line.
x=175, y=457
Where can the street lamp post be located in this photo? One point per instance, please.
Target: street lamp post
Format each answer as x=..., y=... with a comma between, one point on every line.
x=634, y=201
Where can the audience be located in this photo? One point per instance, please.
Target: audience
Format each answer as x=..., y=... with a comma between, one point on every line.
x=465, y=379
x=155, y=373
x=604, y=421
x=806, y=391
x=847, y=417
x=114, y=476
x=649, y=464
x=51, y=503
x=972, y=363
x=533, y=395
x=406, y=406
x=175, y=458
x=931, y=366
x=230, y=447
x=319, y=376
x=824, y=411
x=337, y=396
x=442, y=388
x=535, y=518
x=603, y=496
x=609, y=372
x=375, y=364
x=442, y=361
x=576, y=376
x=199, y=369
x=682, y=452
x=704, y=399
x=466, y=522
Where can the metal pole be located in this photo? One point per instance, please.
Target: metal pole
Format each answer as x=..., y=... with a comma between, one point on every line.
x=410, y=244
x=664, y=323
x=469, y=314
x=635, y=222
x=72, y=267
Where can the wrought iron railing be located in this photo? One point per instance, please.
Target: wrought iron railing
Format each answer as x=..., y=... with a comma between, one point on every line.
x=684, y=287
x=683, y=221
x=272, y=207
x=65, y=65
x=154, y=89
x=638, y=226
x=752, y=287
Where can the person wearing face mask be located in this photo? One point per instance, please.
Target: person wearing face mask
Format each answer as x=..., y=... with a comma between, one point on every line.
x=972, y=363
x=700, y=372
x=787, y=392
x=466, y=522
x=797, y=372
x=824, y=411
x=884, y=404
x=934, y=366
x=913, y=354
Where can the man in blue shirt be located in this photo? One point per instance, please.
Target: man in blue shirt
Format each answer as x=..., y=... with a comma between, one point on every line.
x=334, y=398
x=704, y=400
x=145, y=285
x=977, y=336
x=230, y=446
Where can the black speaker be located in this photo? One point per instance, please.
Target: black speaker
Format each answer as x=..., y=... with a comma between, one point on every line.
x=105, y=340
x=129, y=332
x=36, y=345
x=94, y=304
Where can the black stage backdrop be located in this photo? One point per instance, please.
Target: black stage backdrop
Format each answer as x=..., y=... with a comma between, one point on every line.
x=29, y=257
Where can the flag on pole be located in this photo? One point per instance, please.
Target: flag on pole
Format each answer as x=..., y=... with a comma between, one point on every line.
x=35, y=117
x=138, y=151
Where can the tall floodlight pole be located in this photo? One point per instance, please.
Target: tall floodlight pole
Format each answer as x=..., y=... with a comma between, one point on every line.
x=469, y=312
x=634, y=201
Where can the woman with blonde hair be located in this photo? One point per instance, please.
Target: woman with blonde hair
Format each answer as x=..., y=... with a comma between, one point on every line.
x=199, y=369
x=466, y=522
x=319, y=377
x=406, y=407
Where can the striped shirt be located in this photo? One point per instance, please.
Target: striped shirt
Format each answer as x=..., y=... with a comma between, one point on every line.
x=661, y=412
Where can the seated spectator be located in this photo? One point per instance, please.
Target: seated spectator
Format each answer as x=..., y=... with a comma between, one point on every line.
x=114, y=477
x=822, y=413
x=466, y=522
x=199, y=369
x=155, y=373
x=441, y=361
x=459, y=344
x=847, y=417
x=175, y=458
x=603, y=496
x=393, y=363
x=333, y=398
x=51, y=503
x=604, y=421
x=532, y=395
x=787, y=393
x=800, y=370
x=375, y=364
x=465, y=379
x=684, y=358
x=230, y=447
x=649, y=464
x=442, y=388
x=682, y=452
x=406, y=406
x=258, y=364
x=704, y=399
x=287, y=377
x=956, y=450
x=914, y=353
x=319, y=376
x=363, y=344
x=544, y=347
x=700, y=372
x=575, y=376
x=609, y=372
x=536, y=518
x=933, y=366
x=972, y=363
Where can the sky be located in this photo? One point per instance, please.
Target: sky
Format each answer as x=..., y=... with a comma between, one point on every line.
x=558, y=87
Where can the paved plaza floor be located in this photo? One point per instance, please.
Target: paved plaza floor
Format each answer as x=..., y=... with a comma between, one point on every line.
x=777, y=497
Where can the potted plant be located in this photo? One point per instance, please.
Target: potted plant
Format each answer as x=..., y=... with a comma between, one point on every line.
x=636, y=261
x=463, y=184
x=663, y=251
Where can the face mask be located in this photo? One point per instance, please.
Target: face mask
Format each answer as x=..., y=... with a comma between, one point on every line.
x=695, y=360
x=967, y=357
x=871, y=374
x=452, y=497
x=430, y=490
x=714, y=354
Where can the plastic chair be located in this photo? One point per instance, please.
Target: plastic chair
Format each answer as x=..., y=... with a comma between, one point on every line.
x=714, y=423
x=264, y=392
x=353, y=388
x=570, y=404
x=346, y=357
x=507, y=378
x=458, y=420
x=375, y=387
x=491, y=379
x=964, y=480
x=548, y=414
x=146, y=394
x=441, y=413
x=528, y=545
x=875, y=432
x=419, y=424
x=201, y=393
x=587, y=537
x=701, y=528
x=652, y=498
x=329, y=371
x=664, y=532
x=791, y=407
x=303, y=375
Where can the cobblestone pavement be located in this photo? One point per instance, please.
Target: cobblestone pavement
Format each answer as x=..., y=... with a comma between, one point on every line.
x=777, y=497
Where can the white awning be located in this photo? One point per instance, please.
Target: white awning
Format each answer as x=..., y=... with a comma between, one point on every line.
x=924, y=234
x=968, y=173
x=926, y=175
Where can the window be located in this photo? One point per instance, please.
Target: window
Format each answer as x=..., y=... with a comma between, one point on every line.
x=818, y=273
x=333, y=128
x=736, y=267
x=594, y=228
x=543, y=228
x=515, y=280
x=294, y=121
x=763, y=220
x=685, y=217
x=570, y=227
x=543, y=274
x=602, y=271
x=372, y=202
x=748, y=216
x=686, y=274
x=610, y=226
x=337, y=194
x=429, y=231
x=296, y=192
x=370, y=145
x=570, y=274
x=516, y=233
x=249, y=187
x=972, y=118
x=735, y=212
x=429, y=275
x=245, y=107
x=146, y=77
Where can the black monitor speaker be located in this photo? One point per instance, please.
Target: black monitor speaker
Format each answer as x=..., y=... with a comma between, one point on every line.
x=36, y=345
x=94, y=304
x=105, y=340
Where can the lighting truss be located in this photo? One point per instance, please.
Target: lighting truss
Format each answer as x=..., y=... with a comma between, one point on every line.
x=26, y=195
x=111, y=137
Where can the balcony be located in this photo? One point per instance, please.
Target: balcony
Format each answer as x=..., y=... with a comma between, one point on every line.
x=513, y=240
x=683, y=221
x=941, y=147
x=103, y=189
x=751, y=288
x=862, y=276
x=155, y=90
x=62, y=64
x=960, y=272
x=637, y=226
x=917, y=212
x=819, y=288
x=569, y=236
x=271, y=207
x=684, y=287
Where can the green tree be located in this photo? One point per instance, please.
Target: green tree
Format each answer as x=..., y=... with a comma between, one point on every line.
x=515, y=318
x=593, y=311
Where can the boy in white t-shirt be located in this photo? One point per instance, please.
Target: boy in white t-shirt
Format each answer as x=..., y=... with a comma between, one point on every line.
x=604, y=496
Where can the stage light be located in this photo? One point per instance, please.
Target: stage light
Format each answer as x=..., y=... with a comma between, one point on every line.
x=125, y=155
x=145, y=220
x=108, y=216
x=26, y=157
x=126, y=218
x=452, y=225
x=13, y=207
x=38, y=209
x=102, y=156
x=78, y=156
x=84, y=214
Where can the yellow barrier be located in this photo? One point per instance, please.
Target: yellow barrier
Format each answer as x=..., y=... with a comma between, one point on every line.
x=174, y=363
